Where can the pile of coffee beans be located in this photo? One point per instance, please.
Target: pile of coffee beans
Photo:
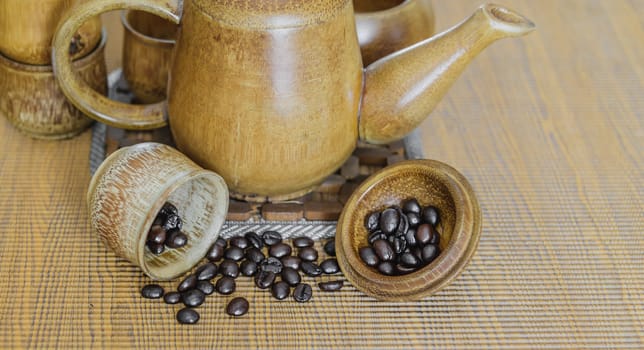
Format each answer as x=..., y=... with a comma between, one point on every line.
x=165, y=231
x=275, y=265
x=402, y=239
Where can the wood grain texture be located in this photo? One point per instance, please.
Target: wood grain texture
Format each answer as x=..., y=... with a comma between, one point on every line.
x=552, y=146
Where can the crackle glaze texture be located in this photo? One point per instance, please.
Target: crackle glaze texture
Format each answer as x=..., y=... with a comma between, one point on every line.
x=32, y=101
x=387, y=26
x=129, y=189
x=431, y=183
x=273, y=96
x=27, y=27
x=147, y=52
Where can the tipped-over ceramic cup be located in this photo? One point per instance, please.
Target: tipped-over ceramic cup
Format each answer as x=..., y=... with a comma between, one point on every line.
x=130, y=187
x=431, y=183
x=31, y=100
x=147, y=53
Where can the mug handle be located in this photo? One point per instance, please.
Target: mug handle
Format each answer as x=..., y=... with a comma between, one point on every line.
x=90, y=102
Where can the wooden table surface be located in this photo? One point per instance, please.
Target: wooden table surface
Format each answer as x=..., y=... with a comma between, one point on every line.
x=548, y=129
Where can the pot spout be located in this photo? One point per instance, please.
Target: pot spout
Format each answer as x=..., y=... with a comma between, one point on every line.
x=402, y=89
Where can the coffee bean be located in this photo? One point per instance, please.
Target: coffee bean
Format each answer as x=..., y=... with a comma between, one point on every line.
x=176, y=239
x=436, y=238
x=411, y=206
x=215, y=253
x=291, y=261
x=172, y=298
x=376, y=235
x=280, y=250
x=271, y=237
x=168, y=209
x=237, y=307
x=330, y=266
x=383, y=250
x=156, y=249
x=188, y=283
x=403, y=270
x=310, y=268
x=187, y=316
x=172, y=222
x=254, y=239
x=271, y=264
x=372, y=221
x=255, y=255
x=386, y=268
x=157, y=234
x=234, y=253
x=413, y=219
x=229, y=268
x=331, y=286
x=264, y=279
x=225, y=285
x=302, y=293
x=290, y=276
x=400, y=244
x=221, y=242
x=280, y=290
x=423, y=234
x=239, y=242
x=409, y=259
x=368, y=255
x=206, y=271
x=152, y=291
x=308, y=254
x=206, y=287
x=158, y=220
x=302, y=242
x=430, y=252
x=430, y=215
x=248, y=268
x=403, y=225
x=193, y=298
x=329, y=247
x=410, y=237
x=389, y=221
x=417, y=252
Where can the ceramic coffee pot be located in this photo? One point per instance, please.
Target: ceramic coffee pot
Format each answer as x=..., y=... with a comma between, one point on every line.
x=272, y=95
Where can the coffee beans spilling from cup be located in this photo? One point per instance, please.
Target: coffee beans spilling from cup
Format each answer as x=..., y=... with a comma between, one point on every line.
x=165, y=231
x=275, y=265
x=402, y=239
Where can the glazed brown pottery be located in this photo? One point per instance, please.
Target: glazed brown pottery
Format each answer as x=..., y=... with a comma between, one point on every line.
x=32, y=101
x=27, y=27
x=386, y=26
x=147, y=52
x=273, y=96
x=130, y=187
x=431, y=183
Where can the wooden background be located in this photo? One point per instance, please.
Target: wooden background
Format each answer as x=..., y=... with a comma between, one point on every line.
x=548, y=129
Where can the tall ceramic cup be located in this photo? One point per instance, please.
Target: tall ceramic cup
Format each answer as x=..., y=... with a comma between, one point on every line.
x=273, y=96
x=147, y=52
x=386, y=26
x=27, y=27
x=32, y=101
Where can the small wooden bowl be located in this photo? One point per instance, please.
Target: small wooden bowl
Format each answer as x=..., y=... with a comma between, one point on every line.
x=130, y=187
x=431, y=183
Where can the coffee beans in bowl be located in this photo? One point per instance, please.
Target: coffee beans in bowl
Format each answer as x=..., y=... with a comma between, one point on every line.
x=408, y=230
x=400, y=240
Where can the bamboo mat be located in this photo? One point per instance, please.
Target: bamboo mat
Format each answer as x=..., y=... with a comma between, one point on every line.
x=549, y=131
